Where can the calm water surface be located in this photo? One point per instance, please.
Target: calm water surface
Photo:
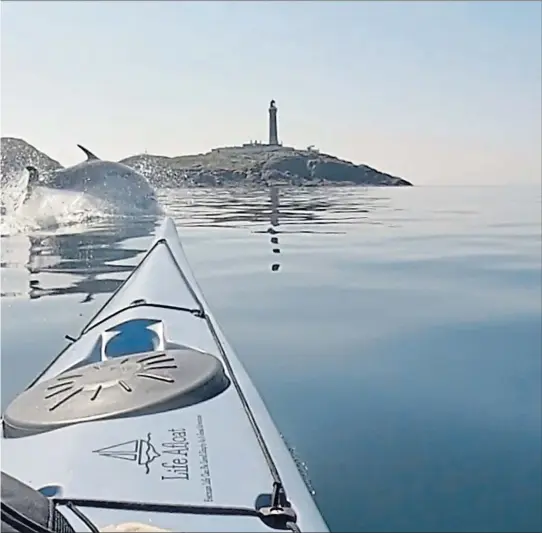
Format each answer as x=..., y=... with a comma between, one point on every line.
x=394, y=334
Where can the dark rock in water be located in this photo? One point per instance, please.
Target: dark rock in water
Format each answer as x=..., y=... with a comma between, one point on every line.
x=17, y=154
x=249, y=165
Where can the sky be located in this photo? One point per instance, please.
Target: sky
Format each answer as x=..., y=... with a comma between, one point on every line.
x=435, y=92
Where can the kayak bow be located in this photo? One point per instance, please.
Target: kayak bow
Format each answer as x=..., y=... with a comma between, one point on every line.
x=150, y=414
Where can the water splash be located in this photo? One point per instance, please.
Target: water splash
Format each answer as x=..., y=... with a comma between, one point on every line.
x=301, y=466
x=48, y=209
x=13, y=191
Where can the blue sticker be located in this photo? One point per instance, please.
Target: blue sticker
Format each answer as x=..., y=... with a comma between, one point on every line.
x=133, y=336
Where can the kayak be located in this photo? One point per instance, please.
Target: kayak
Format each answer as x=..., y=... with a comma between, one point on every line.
x=149, y=418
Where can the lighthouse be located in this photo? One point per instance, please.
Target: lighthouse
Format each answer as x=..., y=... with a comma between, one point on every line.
x=273, y=135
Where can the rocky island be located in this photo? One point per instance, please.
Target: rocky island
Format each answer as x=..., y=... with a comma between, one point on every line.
x=259, y=165
x=251, y=164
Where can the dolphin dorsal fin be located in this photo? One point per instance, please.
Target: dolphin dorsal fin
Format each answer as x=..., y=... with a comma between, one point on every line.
x=89, y=154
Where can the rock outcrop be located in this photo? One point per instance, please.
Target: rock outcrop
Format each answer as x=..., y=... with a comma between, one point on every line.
x=259, y=164
x=16, y=154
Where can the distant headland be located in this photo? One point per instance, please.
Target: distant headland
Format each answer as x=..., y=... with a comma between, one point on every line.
x=250, y=164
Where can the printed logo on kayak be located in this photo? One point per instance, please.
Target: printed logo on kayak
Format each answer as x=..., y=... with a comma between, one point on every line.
x=172, y=455
x=142, y=452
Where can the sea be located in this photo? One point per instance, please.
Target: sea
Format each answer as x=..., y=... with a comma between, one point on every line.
x=394, y=334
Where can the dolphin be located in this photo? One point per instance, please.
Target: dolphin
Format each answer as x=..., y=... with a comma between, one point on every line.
x=104, y=179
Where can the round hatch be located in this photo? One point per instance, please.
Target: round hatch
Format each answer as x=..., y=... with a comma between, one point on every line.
x=141, y=384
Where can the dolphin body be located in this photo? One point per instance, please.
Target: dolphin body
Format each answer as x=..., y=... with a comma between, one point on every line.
x=104, y=179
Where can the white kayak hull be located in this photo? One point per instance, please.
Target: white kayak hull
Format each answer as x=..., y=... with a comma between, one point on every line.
x=150, y=417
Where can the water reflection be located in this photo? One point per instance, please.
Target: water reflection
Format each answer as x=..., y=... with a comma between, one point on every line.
x=95, y=258
x=274, y=223
x=299, y=211
x=301, y=208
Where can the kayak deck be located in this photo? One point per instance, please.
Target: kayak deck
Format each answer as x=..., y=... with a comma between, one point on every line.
x=150, y=417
